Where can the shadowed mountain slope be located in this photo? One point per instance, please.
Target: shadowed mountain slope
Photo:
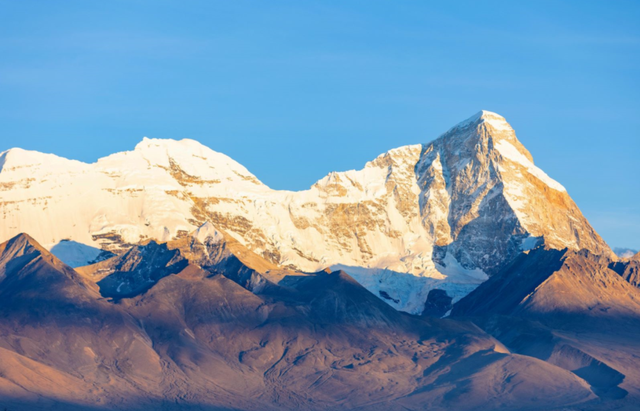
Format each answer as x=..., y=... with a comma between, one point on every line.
x=629, y=269
x=196, y=338
x=570, y=309
x=551, y=284
x=71, y=344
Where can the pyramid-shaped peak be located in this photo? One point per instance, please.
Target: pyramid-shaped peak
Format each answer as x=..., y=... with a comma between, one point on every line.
x=20, y=245
x=23, y=240
x=487, y=115
x=494, y=119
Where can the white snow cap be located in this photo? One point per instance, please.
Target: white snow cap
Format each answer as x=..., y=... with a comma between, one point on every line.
x=184, y=143
x=496, y=120
x=18, y=159
x=194, y=159
x=507, y=150
x=208, y=231
x=488, y=115
x=483, y=116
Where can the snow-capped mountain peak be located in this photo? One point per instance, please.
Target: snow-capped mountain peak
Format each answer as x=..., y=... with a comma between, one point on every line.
x=495, y=120
x=440, y=215
x=185, y=160
x=490, y=119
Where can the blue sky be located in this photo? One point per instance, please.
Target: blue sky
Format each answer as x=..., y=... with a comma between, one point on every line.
x=295, y=89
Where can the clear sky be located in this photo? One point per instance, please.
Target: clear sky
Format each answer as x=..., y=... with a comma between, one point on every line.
x=295, y=89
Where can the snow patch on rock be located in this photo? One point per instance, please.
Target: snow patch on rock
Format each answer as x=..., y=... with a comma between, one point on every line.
x=207, y=233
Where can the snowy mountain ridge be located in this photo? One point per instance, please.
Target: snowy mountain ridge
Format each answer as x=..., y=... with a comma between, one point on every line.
x=446, y=214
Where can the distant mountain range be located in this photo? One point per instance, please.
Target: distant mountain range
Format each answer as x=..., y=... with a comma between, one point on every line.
x=443, y=215
x=453, y=275
x=625, y=252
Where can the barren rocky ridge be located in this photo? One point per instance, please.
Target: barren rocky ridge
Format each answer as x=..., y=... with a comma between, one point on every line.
x=228, y=330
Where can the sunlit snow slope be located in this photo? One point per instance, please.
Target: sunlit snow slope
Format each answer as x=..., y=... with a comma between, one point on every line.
x=441, y=215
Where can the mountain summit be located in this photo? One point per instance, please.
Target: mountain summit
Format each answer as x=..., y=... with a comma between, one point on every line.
x=446, y=215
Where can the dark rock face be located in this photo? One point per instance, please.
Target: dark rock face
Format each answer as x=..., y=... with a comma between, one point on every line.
x=628, y=269
x=438, y=303
x=139, y=269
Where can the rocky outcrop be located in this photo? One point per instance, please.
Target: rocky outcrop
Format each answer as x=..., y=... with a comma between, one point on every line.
x=438, y=304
